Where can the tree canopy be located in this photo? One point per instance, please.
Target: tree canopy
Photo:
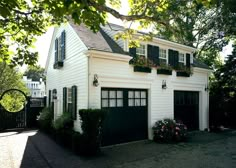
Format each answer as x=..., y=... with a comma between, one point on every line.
x=209, y=22
x=35, y=73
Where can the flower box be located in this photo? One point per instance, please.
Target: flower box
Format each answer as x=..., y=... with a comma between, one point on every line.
x=142, y=69
x=164, y=71
x=182, y=73
x=58, y=65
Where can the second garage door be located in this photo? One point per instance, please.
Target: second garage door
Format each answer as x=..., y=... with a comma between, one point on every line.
x=127, y=115
x=186, y=108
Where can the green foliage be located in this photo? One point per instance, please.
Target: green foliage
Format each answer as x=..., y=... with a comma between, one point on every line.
x=35, y=73
x=142, y=62
x=168, y=130
x=13, y=101
x=10, y=78
x=45, y=119
x=63, y=122
x=90, y=140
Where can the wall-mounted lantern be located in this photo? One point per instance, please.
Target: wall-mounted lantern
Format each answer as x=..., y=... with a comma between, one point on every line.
x=164, y=84
x=95, y=80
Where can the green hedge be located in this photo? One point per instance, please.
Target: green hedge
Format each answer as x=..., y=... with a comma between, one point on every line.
x=45, y=119
x=91, y=124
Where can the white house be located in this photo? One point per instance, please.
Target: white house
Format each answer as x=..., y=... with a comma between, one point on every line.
x=87, y=70
x=37, y=88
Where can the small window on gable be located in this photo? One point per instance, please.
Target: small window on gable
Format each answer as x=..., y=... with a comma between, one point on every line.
x=59, y=51
x=162, y=56
x=140, y=51
x=181, y=58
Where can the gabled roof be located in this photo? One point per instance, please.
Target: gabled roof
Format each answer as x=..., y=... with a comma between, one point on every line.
x=101, y=41
x=97, y=41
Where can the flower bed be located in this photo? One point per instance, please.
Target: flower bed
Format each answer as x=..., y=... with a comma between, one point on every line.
x=169, y=130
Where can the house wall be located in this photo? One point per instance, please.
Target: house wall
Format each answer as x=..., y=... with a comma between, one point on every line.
x=73, y=72
x=119, y=74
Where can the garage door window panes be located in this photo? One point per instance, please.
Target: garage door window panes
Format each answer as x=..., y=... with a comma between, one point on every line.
x=137, y=98
x=112, y=98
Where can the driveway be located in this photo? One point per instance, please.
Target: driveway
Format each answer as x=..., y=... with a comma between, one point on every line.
x=31, y=148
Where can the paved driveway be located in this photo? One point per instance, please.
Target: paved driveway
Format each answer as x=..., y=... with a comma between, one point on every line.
x=32, y=149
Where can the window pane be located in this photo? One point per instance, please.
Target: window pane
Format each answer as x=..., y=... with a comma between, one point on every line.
x=119, y=94
x=143, y=94
x=119, y=102
x=131, y=102
x=112, y=94
x=105, y=103
x=112, y=103
x=143, y=102
x=137, y=94
x=104, y=94
x=131, y=94
x=137, y=102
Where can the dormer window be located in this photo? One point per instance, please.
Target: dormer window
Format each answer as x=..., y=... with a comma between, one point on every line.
x=181, y=59
x=140, y=51
x=162, y=56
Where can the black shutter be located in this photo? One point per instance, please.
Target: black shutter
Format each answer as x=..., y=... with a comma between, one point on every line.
x=132, y=52
x=153, y=54
x=171, y=57
x=63, y=45
x=56, y=50
x=74, y=102
x=49, y=97
x=188, y=60
x=176, y=58
x=64, y=99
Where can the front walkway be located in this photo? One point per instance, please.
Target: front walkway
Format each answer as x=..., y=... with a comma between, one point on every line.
x=29, y=149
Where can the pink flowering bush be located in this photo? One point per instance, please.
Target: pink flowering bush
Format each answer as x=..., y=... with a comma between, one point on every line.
x=168, y=130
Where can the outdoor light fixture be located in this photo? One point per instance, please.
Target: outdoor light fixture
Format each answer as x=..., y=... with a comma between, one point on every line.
x=206, y=88
x=95, y=80
x=164, y=84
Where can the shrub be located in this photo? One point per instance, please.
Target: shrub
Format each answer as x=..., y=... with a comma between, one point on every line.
x=63, y=129
x=45, y=119
x=169, y=130
x=90, y=140
x=63, y=122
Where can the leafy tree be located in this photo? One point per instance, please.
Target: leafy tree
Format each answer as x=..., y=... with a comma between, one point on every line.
x=35, y=73
x=22, y=20
x=10, y=79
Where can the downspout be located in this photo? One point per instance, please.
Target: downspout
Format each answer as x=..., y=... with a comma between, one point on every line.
x=89, y=72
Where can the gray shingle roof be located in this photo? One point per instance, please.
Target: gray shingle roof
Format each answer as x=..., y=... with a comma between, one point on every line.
x=97, y=41
x=199, y=64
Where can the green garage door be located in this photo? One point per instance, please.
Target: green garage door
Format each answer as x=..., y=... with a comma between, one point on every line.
x=186, y=108
x=127, y=115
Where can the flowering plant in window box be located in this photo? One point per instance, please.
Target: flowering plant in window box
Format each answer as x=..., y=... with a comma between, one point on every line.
x=142, y=64
x=164, y=69
x=169, y=130
x=183, y=71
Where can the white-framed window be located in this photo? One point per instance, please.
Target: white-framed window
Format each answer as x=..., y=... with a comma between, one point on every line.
x=181, y=58
x=162, y=56
x=69, y=95
x=141, y=50
x=112, y=98
x=59, y=49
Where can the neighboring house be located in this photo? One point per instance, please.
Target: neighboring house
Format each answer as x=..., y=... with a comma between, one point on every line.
x=86, y=70
x=36, y=88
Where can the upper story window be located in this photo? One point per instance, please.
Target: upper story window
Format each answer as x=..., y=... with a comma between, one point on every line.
x=162, y=56
x=181, y=58
x=59, y=51
x=140, y=51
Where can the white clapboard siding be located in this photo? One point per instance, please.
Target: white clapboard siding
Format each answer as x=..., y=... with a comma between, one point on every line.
x=73, y=72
